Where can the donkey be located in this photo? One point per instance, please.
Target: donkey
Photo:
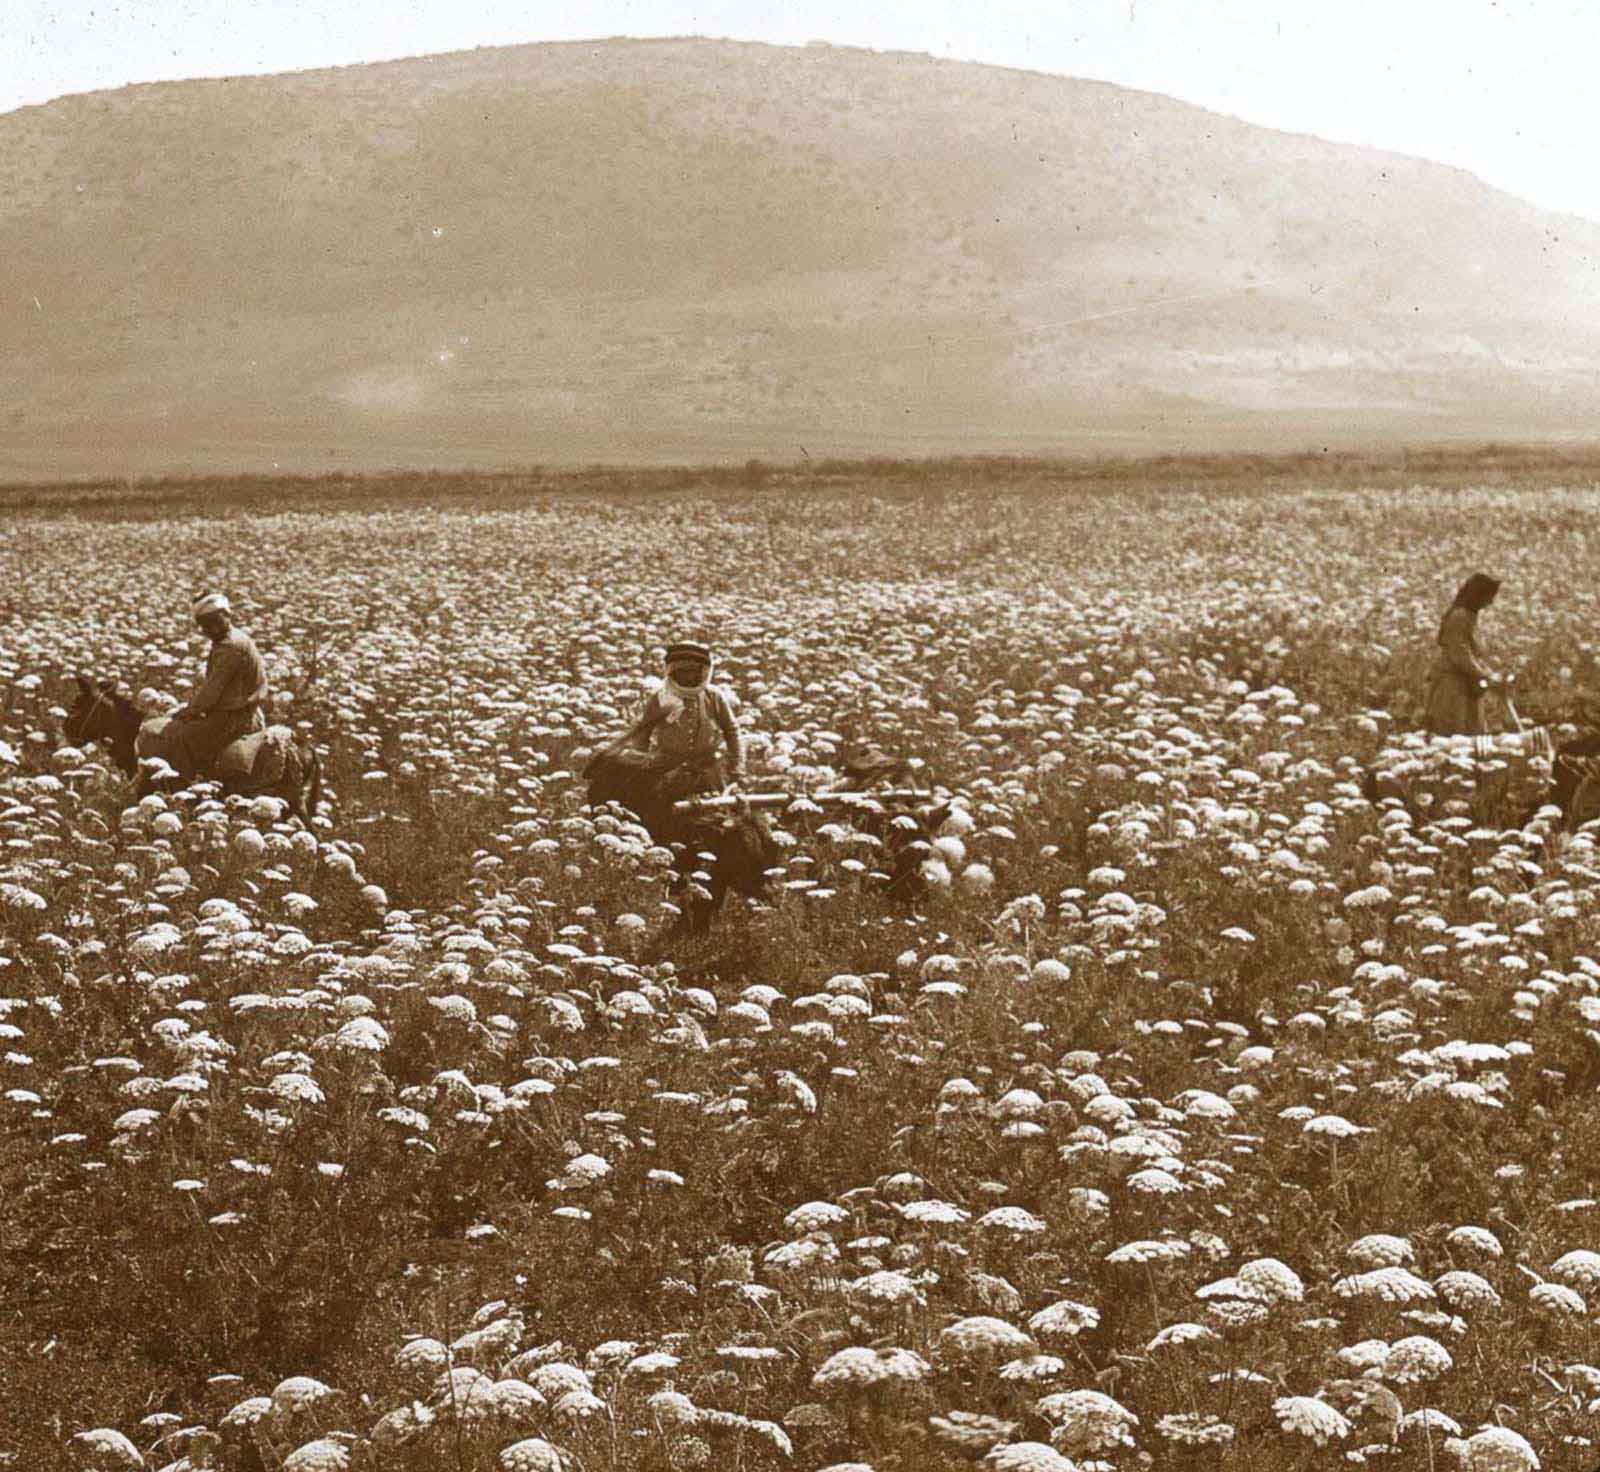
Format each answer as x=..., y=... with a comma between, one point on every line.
x=1574, y=782
x=250, y=767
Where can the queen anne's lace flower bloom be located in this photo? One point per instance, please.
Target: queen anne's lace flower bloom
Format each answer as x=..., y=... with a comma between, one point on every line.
x=362, y=1035
x=1238, y=1313
x=532, y=1455
x=1018, y=1104
x=1305, y=1415
x=1415, y=1359
x=1202, y=1104
x=321, y=1455
x=1467, y=1292
x=296, y=1088
x=994, y=1293
x=581, y=1171
x=515, y=1401
x=1087, y=1421
x=577, y=1406
x=496, y=1340
x=1380, y=1251
x=465, y=1395
x=1154, y=1182
x=1033, y=1367
x=1333, y=1127
x=1583, y=1377
x=1013, y=1219
x=982, y=1338
x=1557, y=1300
x=1428, y=1420
x=1175, y=1335
x=886, y=1288
x=1475, y=1239
x=1063, y=1319
x=933, y=1213
x=1579, y=1267
x=1195, y=1429
x=400, y=1426
x=970, y=1432
x=1229, y=1287
x=1087, y=1204
x=109, y=1447
x=1392, y=1285
x=1028, y=1456
x=555, y=1378
x=815, y=1216
x=610, y=1354
x=1365, y=1355
x=298, y=1393
x=1271, y=1281
x=1497, y=1449
x=673, y=1410
x=1170, y=1250
x=650, y=1366
x=1368, y=1403
x=858, y=1367
x=247, y=1412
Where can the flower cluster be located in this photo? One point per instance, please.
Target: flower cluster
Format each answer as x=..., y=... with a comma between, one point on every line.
x=1195, y=1100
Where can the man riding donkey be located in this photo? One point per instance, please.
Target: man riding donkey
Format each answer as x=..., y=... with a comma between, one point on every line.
x=228, y=705
x=220, y=733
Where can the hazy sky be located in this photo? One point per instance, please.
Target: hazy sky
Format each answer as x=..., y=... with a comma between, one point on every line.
x=1505, y=88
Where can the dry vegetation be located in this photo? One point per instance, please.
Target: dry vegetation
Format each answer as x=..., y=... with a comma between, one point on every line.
x=1201, y=1113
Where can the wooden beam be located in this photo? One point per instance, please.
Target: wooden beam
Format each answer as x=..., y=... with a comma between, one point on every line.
x=761, y=801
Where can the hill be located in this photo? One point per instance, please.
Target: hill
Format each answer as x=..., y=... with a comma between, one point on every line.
x=695, y=250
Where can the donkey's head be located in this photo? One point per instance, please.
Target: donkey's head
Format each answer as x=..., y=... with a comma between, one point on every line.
x=100, y=714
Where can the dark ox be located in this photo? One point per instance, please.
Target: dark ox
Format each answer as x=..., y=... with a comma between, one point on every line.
x=738, y=851
x=741, y=848
x=1574, y=785
x=1574, y=781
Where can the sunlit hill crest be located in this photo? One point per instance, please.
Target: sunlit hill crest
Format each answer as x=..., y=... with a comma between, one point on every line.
x=694, y=249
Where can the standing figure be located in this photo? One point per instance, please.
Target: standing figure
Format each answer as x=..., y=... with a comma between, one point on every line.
x=684, y=721
x=1459, y=675
x=229, y=703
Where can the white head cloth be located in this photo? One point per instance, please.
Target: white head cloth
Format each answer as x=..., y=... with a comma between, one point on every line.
x=674, y=699
x=211, y=603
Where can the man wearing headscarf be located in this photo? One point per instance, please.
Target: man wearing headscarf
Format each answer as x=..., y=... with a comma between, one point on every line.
x=684, y=720
x=229, y=703
x=1459, y=675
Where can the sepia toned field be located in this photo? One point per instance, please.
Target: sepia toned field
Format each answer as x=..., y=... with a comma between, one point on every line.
x=1198, y=1113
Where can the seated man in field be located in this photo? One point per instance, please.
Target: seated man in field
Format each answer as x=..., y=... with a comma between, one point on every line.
x=685, y=719
x=227, y=705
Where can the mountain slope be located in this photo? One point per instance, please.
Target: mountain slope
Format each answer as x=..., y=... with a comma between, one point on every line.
x=695, y=249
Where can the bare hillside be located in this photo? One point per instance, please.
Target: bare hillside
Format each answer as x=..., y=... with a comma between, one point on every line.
x=688, y=249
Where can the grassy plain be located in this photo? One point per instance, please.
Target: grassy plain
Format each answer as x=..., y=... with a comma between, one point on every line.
x=847, y=1182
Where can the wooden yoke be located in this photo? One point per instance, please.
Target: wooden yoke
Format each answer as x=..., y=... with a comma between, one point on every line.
x=767, y=801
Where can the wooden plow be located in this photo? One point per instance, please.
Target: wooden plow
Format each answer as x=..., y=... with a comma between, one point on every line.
x=1486, y=763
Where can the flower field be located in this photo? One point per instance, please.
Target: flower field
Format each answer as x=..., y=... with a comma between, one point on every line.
x=1197, y=1111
